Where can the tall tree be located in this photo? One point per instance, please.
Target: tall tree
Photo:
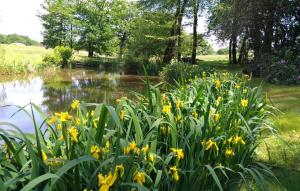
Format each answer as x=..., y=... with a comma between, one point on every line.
x=196, y=6
x=94, y=22
x=58, y=23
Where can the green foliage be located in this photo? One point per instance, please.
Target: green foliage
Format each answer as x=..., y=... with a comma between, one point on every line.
x=136, y=65
x=61, y=56
x=149, y=34
x=14, y=38
x=223, y=51
x=58, y=21
x=182, y=72
x=279, y=70
x=201, y=136
x=203, y=48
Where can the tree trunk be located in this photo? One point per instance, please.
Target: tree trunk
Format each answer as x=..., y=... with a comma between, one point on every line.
x=230, y=51
x=234, y=46
x=71, y=40
x=242, y=55
x=170, y=50
x=268, y=38
x=122, y=44
x=196, y=4
x=90, y=51
x=179, y=30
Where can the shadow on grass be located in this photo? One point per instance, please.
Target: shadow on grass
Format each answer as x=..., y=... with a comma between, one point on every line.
x=289, y=179
x=221, y=66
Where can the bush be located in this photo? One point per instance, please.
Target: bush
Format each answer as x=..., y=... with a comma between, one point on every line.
x=202, y=136
x=278, y=69
x=61, y=56
x=135, y=65
x=223, y=51
x=182, y=72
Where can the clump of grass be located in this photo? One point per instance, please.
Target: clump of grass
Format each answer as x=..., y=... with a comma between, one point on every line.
x=200, y=136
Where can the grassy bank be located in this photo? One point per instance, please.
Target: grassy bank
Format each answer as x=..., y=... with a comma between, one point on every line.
x=16, y=59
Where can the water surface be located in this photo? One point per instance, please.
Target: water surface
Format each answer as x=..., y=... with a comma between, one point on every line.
x=55, y=90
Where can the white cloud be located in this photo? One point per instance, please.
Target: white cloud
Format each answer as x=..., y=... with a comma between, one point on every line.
x=20, y=16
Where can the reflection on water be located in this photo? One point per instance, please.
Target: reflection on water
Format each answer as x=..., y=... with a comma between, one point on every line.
x=54, y=91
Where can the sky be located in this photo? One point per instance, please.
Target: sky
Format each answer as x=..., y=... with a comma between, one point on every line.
x=20, y=17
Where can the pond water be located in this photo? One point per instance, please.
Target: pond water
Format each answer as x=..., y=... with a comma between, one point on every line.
x=54, y=91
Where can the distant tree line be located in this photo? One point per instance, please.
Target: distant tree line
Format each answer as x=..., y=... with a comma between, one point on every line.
x=15, y=38
x=142, y=29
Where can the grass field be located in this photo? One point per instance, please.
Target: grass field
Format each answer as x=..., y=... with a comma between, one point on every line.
x=20, y=59
x=282, y=151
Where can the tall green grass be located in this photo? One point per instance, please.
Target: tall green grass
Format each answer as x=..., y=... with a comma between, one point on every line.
x=200, y=136
x=21, y=59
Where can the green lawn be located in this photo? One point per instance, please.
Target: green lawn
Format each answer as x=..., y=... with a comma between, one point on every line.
x=283, y=150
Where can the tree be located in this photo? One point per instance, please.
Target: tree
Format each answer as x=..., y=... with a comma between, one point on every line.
x=94, y=23
x=14, y=38
x=58, y=23
x=196, y=5
x=123, y=14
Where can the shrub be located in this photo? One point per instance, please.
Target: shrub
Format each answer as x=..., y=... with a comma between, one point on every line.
x=182, y=72
x=223, y=51
x=202, y=136
x=136, y=65
x=277, y=69
x=61, y=56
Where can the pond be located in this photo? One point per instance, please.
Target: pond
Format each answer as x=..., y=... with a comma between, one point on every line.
x=54, y=91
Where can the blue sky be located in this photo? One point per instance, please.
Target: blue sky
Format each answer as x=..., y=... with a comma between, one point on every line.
x=20, y=17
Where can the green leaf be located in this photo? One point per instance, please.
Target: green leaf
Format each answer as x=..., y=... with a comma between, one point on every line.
x=32, y=184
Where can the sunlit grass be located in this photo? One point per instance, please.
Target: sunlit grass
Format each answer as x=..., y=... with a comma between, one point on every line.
x=21, y=59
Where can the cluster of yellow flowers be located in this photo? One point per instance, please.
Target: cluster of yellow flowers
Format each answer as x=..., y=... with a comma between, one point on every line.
x=210, y=144
x=244, y=103
x=73, y=134
x=75, y=104
x=229, y=153
x=218, y=84
x=107, y=181
x=96, y=150
x=179, y=104
x=63, y=116
x=139, y=177
x=219, y=100
x=217, y=117
x=235, y=140
x=174, y=173
x=122, y=114
x=132, y=147
x=178, y=153
x=195, y=114
x=166, y=109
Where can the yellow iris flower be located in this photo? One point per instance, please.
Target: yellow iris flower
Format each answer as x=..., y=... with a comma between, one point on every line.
x=75, y=104
x=244, y=103
x=178, y=152
x=95, y=151
x=139, y=178
x=74, y=134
